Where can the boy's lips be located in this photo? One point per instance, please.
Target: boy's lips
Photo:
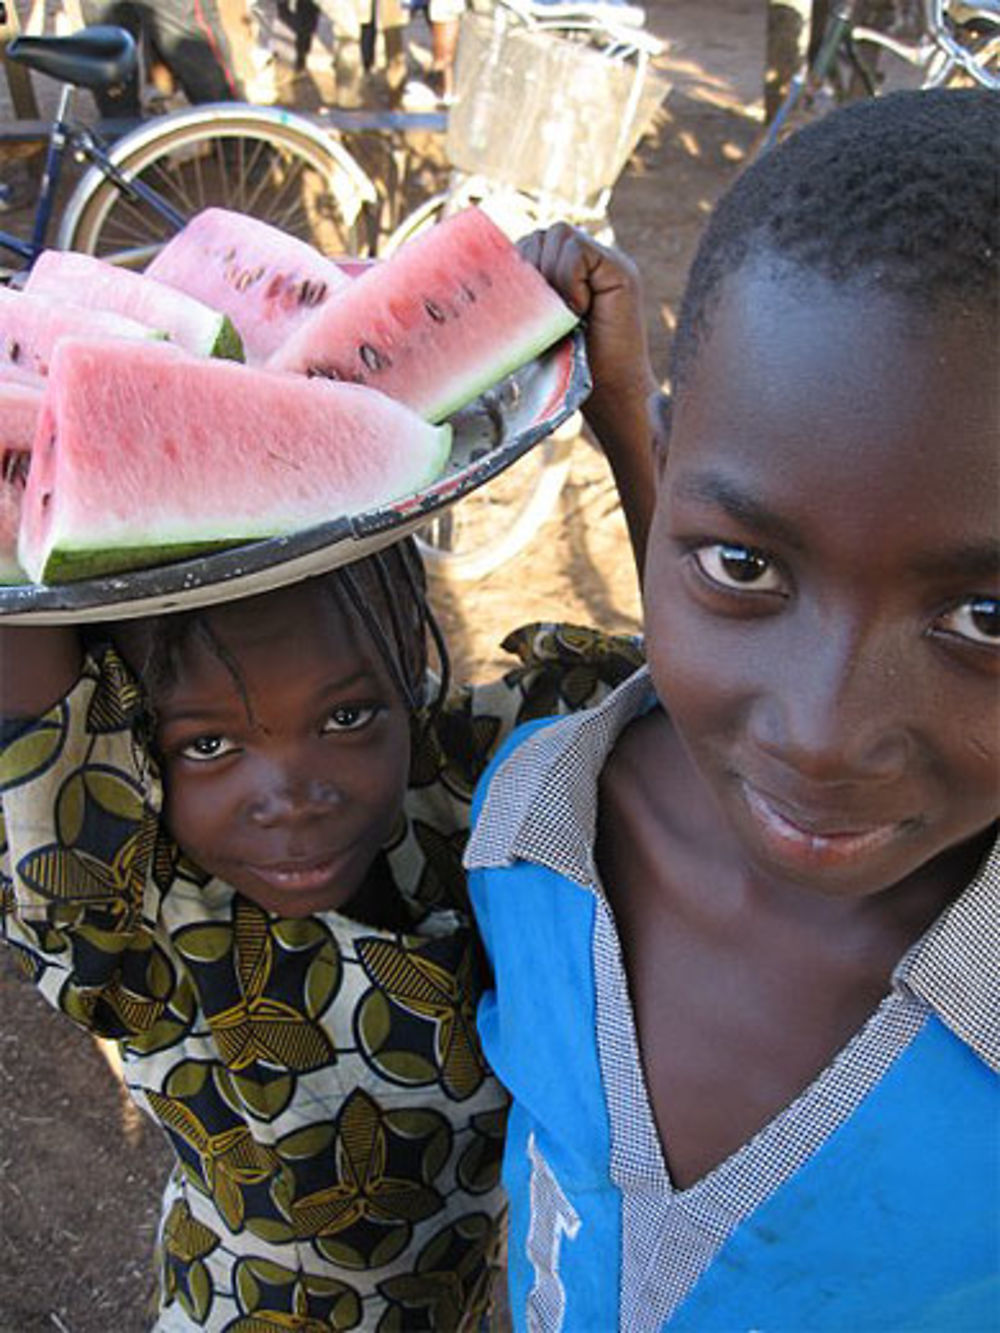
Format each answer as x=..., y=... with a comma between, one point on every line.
x=818, y=841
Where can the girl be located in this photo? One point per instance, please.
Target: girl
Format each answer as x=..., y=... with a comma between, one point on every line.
x=234, y=845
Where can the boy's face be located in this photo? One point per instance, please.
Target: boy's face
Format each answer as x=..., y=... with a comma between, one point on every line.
x=822, y=600
x=286, y=788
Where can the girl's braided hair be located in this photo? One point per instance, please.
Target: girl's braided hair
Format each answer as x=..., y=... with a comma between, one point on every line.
x=899, y=191
x=386, y=593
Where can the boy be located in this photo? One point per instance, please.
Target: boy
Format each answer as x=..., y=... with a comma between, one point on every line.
x=742, y=916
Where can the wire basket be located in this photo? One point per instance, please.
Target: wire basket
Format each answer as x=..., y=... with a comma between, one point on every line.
x=544, y=113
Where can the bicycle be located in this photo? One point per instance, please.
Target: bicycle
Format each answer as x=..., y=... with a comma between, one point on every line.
x=958, y=43
x=271, y=162
x=580, y=74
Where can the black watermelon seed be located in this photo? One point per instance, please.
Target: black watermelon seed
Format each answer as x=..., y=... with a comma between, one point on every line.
x=435, y=311
x=13, y=349
x=372, y=357
x=311, y=293
x=323, y=373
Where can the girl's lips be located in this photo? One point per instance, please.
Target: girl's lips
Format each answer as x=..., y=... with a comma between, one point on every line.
x=827, y=848
x=305, y=876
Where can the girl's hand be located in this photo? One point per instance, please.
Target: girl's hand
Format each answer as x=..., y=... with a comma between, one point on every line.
x=603, y=287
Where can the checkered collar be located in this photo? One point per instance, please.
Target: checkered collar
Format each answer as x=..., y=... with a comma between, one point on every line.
x=542, y=807
x=542, y=802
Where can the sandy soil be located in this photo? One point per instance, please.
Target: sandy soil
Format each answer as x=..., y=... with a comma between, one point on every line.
x=80, y=1173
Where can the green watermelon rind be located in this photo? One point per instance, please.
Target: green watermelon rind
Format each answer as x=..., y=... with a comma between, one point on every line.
x=228, y=345
x=69, y=565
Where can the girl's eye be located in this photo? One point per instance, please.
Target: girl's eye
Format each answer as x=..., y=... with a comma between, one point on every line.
x=977, y=620
x=731, y=565
x=350, y=717
x=206, y=747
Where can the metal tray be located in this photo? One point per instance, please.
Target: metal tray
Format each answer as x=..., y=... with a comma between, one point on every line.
x=489, y=435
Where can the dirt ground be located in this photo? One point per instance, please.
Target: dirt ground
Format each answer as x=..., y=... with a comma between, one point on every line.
x=80, y=1172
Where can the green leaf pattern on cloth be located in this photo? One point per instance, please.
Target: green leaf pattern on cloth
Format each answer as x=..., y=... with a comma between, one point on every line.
x=338, y=1136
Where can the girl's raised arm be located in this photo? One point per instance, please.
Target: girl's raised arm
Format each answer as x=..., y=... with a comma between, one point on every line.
x=603, y=287
x=38, y=667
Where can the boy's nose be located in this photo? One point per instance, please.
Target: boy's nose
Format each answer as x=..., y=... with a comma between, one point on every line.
x=840, y=714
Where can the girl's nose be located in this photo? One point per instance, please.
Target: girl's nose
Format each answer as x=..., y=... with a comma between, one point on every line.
x=840, y=713
x=288, y=798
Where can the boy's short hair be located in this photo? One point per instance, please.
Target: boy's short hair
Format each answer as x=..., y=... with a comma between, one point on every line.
x=900, y=191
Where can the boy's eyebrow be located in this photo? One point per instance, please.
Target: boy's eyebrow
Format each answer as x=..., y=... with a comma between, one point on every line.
x=715, y=489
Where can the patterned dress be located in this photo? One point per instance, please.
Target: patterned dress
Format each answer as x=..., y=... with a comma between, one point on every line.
x=337, y=1134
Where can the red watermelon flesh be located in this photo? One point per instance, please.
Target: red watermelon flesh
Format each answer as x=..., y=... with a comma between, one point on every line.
x=87, y=280
x=30, y=327
x=20, y=404
x=447, y=316
x=266, y=282
x=145, y=455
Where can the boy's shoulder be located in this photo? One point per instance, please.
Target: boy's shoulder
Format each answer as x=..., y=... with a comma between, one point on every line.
x=537, y=799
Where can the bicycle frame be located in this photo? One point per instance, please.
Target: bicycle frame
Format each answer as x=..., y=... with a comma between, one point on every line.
x=65, y=137
x=936, y=53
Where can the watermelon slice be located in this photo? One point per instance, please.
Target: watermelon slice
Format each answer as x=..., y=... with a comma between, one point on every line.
x=31, y=325
x=86, y=280
x=20, y=404
x=11, y=374
x=145, y=454
x=447, y=316
x=266, y=282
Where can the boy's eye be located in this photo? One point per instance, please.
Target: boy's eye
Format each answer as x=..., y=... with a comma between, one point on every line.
x=206, y=747
x=977, y=620
x=732, y=565
x=350, y=717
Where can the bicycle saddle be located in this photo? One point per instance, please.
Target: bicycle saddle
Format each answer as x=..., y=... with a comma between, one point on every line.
x=92, y=58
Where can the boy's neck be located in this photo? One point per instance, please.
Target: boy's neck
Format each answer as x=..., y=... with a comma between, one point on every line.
x=744, y=987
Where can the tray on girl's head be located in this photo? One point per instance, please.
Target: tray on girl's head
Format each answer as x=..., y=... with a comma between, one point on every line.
x=489, y=435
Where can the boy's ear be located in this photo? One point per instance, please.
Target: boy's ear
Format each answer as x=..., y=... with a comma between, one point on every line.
x=660, y=415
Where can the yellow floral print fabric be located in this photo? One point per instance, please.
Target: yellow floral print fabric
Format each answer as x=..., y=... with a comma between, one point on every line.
x=337, y=1134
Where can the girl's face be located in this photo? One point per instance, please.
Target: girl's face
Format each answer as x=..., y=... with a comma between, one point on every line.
x=822, y=596
x=286, y=781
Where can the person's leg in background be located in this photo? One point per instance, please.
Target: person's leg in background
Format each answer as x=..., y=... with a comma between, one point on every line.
x=189, y=36
x=444, y=16
x=437, y=86
x=791, y=26
x=121, y=102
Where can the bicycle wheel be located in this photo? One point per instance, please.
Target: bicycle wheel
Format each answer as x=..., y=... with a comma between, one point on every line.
x=257, y=160
x=493, y=524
